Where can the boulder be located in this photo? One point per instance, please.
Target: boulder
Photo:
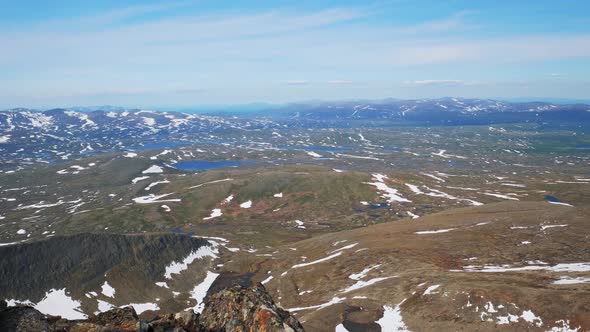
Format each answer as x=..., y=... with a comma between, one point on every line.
x=243, y=309
x=232, y=309
x=23, y=318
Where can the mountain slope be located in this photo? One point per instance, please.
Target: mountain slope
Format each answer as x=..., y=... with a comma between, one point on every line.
x=78, y=275
x=509, y=266
x=444, y=111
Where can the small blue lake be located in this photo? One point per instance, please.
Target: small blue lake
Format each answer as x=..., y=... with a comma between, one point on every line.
x=552, y=199
x=377, y=206
x=178, y=230
x=201, y=165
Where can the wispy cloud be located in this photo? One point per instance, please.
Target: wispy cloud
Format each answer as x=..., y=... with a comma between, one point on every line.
x=132, y=11
x=295, y=38
x=454, y=21
x=298, y=82
x=233, y=53
x=441, y=83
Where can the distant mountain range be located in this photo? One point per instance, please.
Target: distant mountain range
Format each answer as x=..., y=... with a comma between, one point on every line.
x=31, y=136
x=445, y=111
x=121, y=120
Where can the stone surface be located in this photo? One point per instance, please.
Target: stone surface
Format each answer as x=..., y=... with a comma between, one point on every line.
x=232, y=309
x=246, y=309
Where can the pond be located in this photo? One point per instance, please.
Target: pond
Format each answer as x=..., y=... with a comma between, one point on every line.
x=552, y=199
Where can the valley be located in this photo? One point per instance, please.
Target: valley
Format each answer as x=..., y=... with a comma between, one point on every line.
x=351, y=225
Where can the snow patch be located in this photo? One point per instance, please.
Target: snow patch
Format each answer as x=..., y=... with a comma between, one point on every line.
x=436, y=232
x=334, y=300
x=392, y=319
x=388, y=193
x=200, y=291
x=139, y=178
x=151, y=198
x=431, y=290
x=57, y=303
x=141, y=307
x=178, y=267
x=361, y=284
x=571, y=281
x=317, y=261
x=154, y=169
x=214, y=214
x=107, y=290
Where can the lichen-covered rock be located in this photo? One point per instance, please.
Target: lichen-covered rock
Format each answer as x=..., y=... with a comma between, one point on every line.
x=185, y=321
x=23, y=319
x=233, y=309
x=242, y=309
x=120, y=318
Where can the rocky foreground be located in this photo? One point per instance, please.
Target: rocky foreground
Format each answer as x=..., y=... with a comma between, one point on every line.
x=232, y=309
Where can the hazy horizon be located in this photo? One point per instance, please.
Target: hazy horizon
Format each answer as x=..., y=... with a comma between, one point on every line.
x=186, y=53
x=256, y=106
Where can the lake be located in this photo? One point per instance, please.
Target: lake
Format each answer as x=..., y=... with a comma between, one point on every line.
x=552, y=199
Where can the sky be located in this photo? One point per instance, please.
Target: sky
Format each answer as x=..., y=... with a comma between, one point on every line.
x=183, y=53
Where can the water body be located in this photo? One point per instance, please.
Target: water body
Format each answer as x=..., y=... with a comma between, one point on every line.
x=377, y=206
x=201, y=165
x=178, y=230
x=552, y=199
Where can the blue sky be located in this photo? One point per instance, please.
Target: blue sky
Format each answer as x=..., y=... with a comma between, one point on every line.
x=186, y=52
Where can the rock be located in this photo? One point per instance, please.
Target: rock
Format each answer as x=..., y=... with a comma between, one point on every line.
x=143, y=326
x=124, y=319
x=236, y=309
x=242, y=309
x=185, y=321
x=22, y=318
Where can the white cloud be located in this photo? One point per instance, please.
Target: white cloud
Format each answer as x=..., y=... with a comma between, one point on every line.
x=453, y=22
x=242, y=53
x=441, y=83
x=500, y=51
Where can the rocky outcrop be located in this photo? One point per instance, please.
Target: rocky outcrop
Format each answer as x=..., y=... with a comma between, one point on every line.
x=23, y=319
x=236, y=309
x=246, y=309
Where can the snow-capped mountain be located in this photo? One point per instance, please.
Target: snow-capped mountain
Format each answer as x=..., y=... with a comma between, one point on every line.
x=29, y=137
x=433, y=111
